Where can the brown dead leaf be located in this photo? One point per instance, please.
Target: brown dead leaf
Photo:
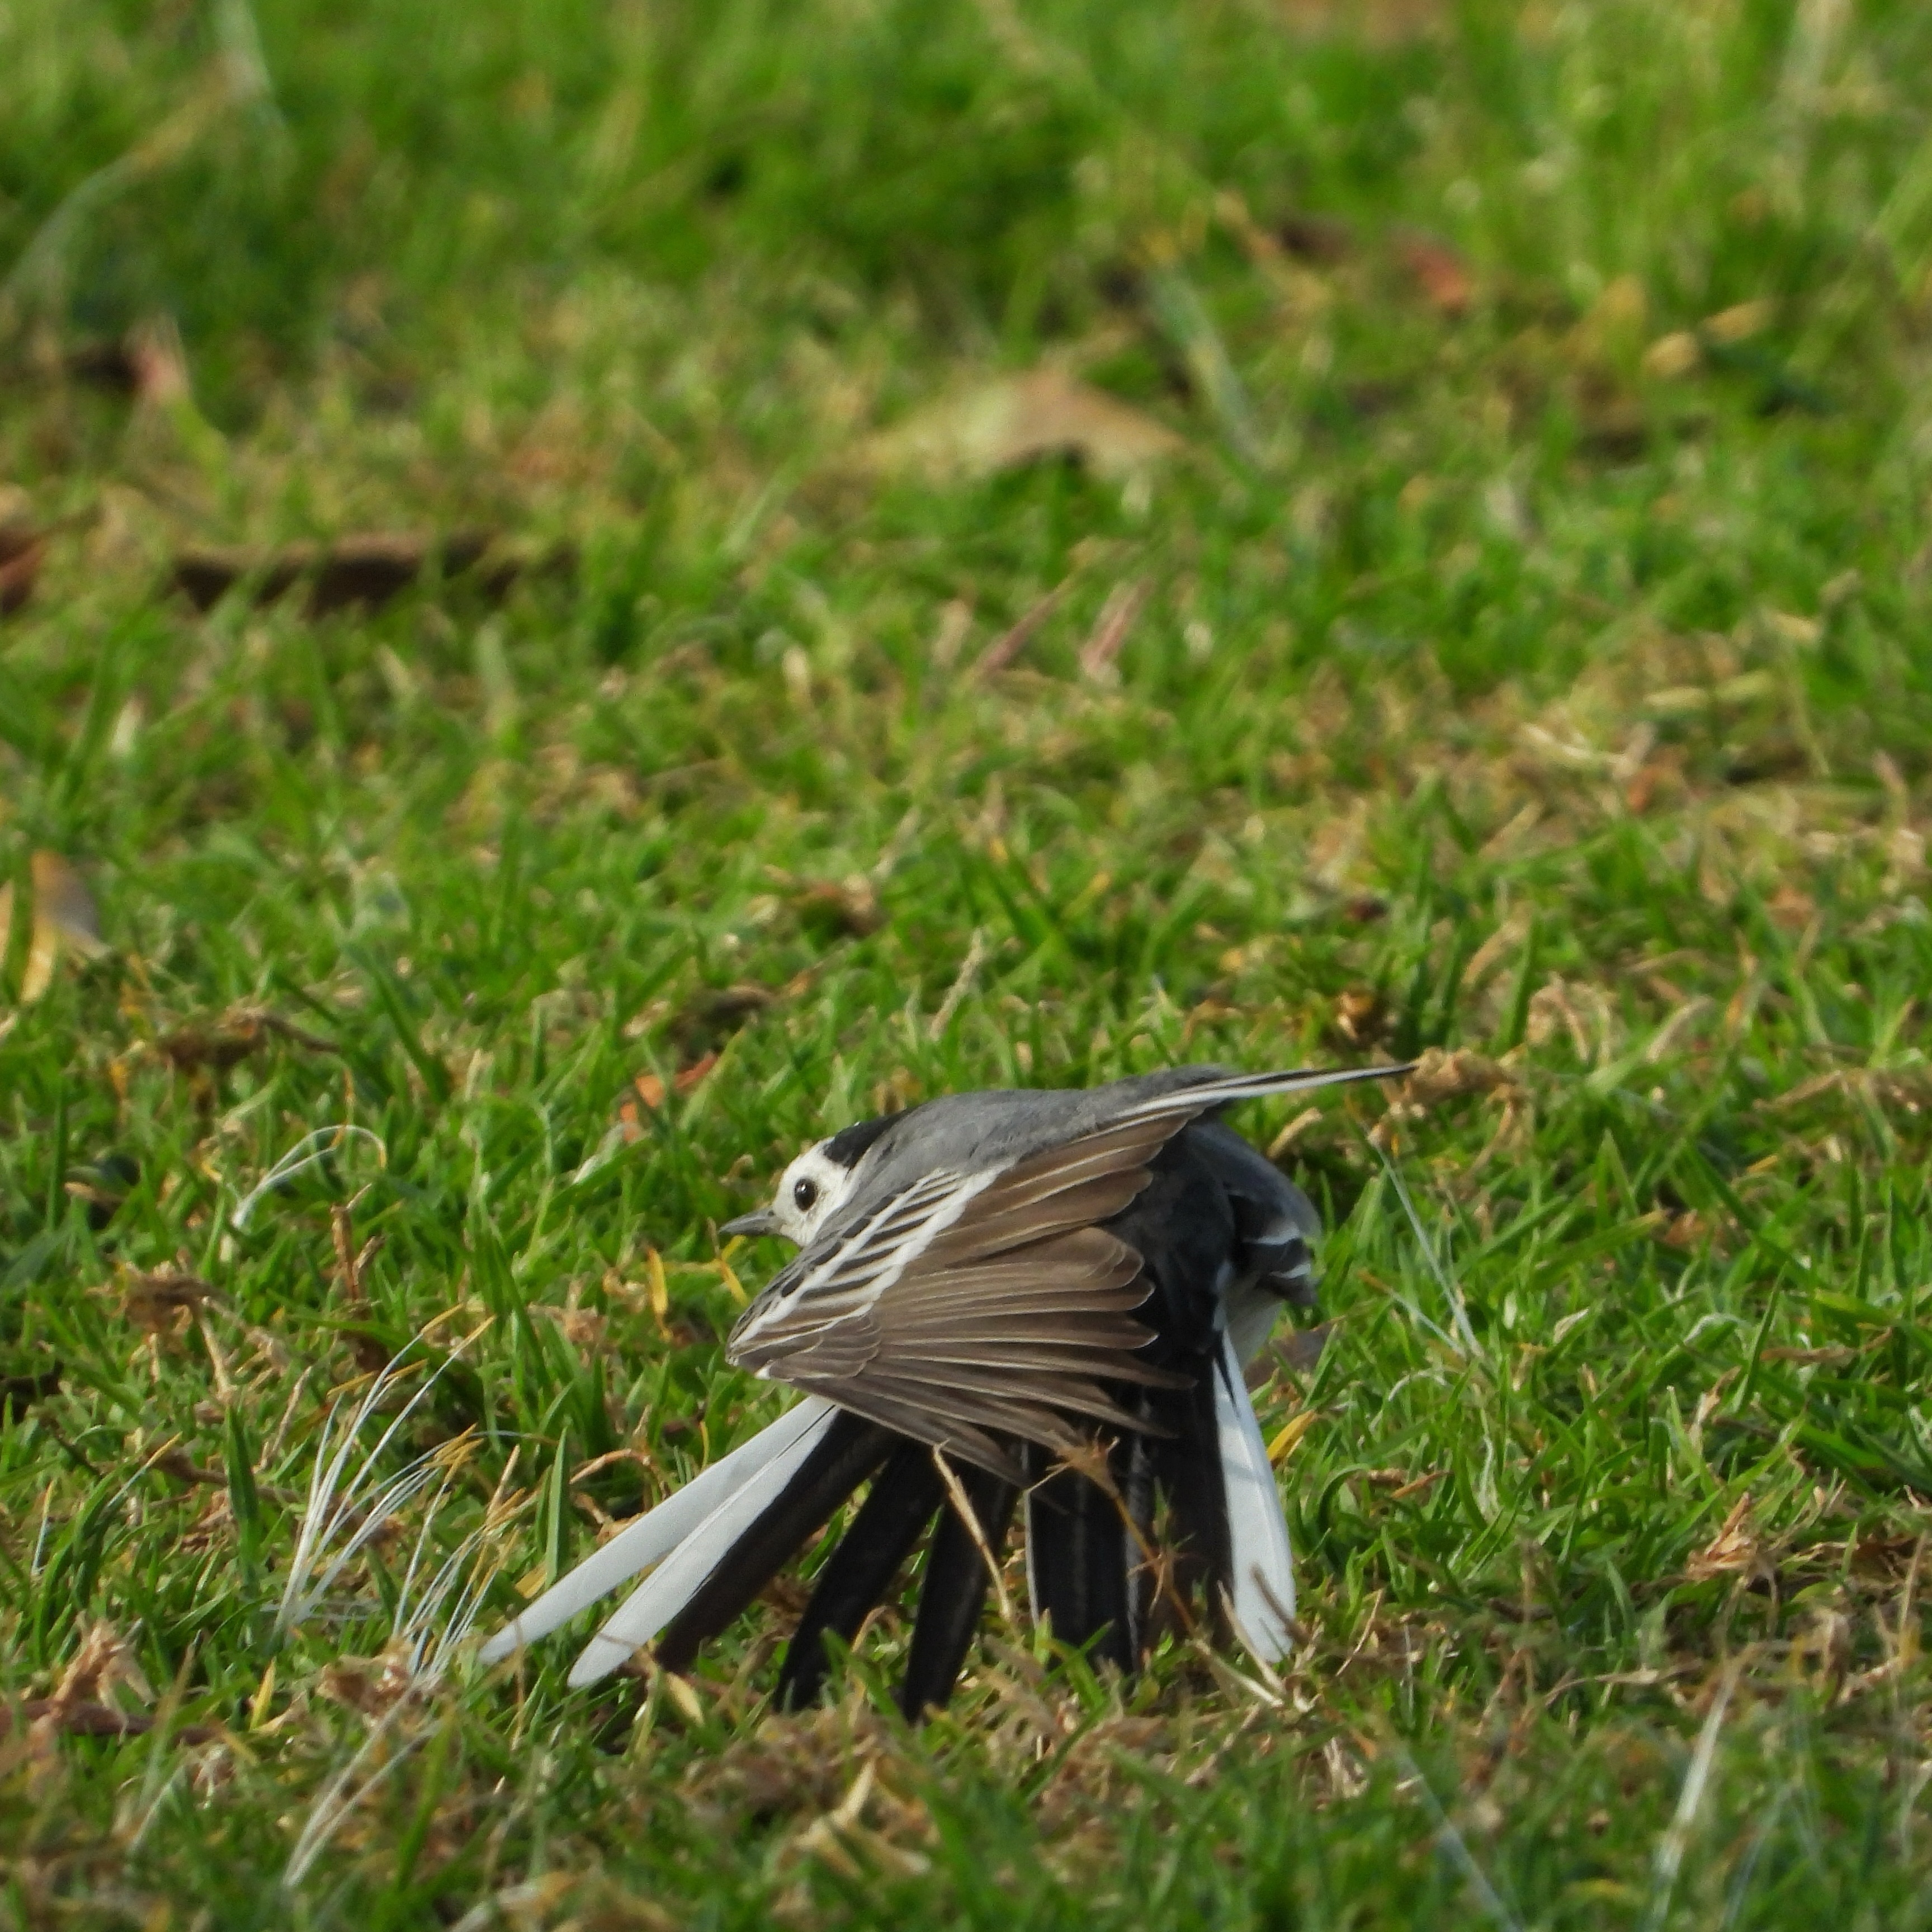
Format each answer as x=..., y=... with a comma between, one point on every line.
x=216, y=1046
x=158, y=1302
x=795, y=1764
x=646, y=1093
x=1387, y=1479
x=369, y=1685
x=850, y=905
x=351, y=1262
x=1319, y=238
x=583, y=1327
x=1013, y=420
x=688, y=1077
x=1438, y=272
x=365, y=571
x=1418, y=1486
x=84, y=1719
x=1359, y=1015
x=1685, y=1231
x=64, y=920
x=1441, y=1075
x=1734, y=1550
x=101, y=1666
x=22, y=551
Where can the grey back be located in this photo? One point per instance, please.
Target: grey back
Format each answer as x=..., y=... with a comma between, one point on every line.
x=966, y=1132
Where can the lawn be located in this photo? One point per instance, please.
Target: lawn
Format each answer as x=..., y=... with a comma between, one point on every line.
x=927, y=546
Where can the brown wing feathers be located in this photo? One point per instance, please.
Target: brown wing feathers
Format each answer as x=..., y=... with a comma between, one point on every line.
x=1006, y=1322
x=1073, y=1186
x=1013, y=1316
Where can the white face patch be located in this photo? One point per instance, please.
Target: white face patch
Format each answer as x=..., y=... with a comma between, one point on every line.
x=810, y=1191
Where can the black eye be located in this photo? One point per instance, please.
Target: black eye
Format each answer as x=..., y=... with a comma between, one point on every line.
x=805, y=1192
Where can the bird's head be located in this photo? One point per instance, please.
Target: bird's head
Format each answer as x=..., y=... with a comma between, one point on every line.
x=809, y=1192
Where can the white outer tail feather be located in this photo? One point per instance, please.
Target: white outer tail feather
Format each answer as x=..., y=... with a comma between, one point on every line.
x=1263, y=1566
x=657, y=1534
x=666, y=1591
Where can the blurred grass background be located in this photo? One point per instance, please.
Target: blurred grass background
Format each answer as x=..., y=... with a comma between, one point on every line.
x=1519, y=652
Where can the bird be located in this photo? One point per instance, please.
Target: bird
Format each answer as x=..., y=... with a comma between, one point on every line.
x=1037, y=1302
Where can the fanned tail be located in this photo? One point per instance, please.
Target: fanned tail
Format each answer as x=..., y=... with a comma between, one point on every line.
x=766, y=1516
x=658, y=1532
x=851, y=1449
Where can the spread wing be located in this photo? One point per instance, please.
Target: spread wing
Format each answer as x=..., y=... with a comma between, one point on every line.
x=971, y=1306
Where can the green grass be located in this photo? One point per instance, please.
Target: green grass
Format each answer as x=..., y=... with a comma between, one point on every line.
x=1496, y=691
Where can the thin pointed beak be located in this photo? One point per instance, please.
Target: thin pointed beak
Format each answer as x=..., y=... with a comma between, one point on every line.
x=762, y=1222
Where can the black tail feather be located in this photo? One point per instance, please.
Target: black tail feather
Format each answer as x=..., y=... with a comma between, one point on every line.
x=1082, y=1561
x=905, y=1495
x=953, y=1592
x=1186, y=1469
x=850, y=1451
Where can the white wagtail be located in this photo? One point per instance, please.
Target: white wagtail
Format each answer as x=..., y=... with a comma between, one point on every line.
x=1009, y=1279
